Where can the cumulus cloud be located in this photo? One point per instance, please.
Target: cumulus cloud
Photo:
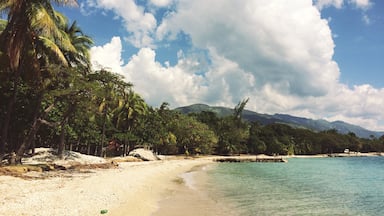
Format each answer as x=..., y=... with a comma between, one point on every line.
x=284, y=44
x=161, y=3
x=157, y=83
x=108, y=56
x=361, y=4
x=328, y=3
x=138, y=22
x=277, y=53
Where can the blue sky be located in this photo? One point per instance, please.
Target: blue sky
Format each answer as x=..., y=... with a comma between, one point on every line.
x=319, y=59
x=359, y=43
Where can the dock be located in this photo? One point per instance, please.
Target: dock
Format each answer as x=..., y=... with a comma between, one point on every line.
x=251, y=159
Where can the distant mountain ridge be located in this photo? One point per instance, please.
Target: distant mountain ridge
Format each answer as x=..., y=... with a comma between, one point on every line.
x=297, y=122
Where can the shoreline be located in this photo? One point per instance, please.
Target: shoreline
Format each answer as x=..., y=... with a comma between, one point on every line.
x=192, y=196
x=134, y=188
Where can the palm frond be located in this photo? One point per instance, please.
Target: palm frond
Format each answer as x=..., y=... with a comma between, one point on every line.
x=3, y=24
x=54, y=49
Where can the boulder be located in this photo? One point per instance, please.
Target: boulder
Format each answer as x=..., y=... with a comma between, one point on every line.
x=144, y=154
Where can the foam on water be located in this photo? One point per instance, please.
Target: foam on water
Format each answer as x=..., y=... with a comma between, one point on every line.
x=189, y=181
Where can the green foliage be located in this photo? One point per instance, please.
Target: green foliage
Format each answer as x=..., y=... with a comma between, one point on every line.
x=50, y=97
x=192, y=136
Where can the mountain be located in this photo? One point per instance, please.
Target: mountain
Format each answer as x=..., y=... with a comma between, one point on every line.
x=297, y=122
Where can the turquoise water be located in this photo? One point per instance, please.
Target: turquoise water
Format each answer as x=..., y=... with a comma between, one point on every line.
x=303, y=186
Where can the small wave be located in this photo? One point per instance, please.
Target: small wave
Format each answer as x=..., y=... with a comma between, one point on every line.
x=189, y=181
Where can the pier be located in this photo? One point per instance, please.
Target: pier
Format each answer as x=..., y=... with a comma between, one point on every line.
x=251, y=159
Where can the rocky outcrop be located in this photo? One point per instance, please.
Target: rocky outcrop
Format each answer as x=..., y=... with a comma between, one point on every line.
x=143, y=154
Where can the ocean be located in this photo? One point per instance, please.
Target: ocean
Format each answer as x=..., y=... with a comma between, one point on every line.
x=303, y=186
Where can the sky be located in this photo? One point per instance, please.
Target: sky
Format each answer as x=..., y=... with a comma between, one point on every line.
x=319, y=59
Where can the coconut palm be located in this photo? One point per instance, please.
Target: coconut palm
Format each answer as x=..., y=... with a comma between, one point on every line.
x=81, y=43
x=31, y=33
x=28, y=20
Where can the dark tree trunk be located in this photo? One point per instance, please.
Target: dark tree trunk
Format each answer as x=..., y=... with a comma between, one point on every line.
x=31, y=135
x=124, y=149
x=13, y=39
x=95, y=152
x=78, y=148
x=103, y=133
x=88, y=148
x=7, y=120
x=28, y=140
x=61, y=147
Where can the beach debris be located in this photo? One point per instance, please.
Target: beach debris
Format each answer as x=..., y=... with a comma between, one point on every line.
x=104, y=211
x=125, y=159
x=144, y=154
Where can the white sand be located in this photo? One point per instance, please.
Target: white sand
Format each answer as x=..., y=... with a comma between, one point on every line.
x=131, y=189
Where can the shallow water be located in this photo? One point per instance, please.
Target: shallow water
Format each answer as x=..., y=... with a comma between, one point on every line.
x=303, y=186
x=188, y=197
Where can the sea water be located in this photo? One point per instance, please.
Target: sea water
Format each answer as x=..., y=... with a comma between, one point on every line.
x=303, y=186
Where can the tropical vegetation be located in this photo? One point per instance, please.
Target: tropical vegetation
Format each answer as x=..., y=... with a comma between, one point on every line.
x=51, y=97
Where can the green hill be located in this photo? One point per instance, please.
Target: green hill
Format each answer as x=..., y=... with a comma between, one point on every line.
x=298, y=122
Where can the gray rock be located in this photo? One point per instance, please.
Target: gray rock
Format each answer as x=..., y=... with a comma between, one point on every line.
x=143, y=154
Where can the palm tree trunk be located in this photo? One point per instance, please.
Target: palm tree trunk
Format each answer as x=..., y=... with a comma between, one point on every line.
x=88, y=147
x=102, y=140
x=31, y=135
x=28, y=139
x=61, y=147
x=7, y=119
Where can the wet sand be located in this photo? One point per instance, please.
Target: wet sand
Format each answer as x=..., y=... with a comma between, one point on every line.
x=189, y=196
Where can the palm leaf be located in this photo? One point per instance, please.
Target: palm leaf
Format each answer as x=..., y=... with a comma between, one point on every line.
x=3, y=24
x=54, y=49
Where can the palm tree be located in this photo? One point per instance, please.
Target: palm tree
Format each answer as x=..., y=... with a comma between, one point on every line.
x=108, y=94
x=30, y=23
x=129, y=113
x=27, y=20
x=82, y=44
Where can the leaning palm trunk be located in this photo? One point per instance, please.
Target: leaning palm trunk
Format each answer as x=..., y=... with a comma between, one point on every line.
x=7, y=119
x=31, y=135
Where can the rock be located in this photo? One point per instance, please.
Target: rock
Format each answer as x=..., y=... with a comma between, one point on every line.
x=143, y=154
x=125, y=159
x=60, y=167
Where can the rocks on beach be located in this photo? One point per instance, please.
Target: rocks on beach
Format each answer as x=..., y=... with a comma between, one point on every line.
x=49, y=155
x=144, y=154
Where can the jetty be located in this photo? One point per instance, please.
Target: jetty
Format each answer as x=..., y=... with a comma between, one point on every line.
x=251, y=159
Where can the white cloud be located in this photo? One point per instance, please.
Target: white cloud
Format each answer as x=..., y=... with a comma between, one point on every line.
x=360, y=105
x=361, y=4
x=138, y=22
x=108, y=56
x=175, y=85
x=328, y=3
x=366, y=19
x=277, y=53
x=282, y=43
x=161, y=3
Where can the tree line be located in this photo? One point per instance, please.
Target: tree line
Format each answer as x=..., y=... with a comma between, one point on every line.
x=50, y=97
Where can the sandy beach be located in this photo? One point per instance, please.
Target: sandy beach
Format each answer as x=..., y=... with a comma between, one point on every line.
x=161, y=188
x=136, y=188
